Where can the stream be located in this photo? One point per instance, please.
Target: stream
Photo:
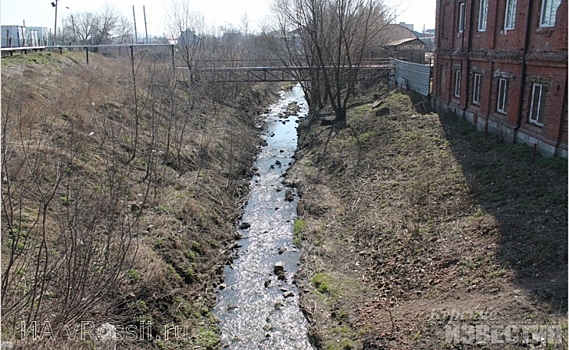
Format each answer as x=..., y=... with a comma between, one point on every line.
x=256, y=309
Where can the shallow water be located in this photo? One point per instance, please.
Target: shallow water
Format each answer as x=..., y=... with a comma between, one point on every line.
x=253, y=310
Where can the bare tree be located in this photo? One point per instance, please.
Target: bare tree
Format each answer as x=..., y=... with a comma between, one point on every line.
x=331, y=37
x=186, y=26
x=122, y=32
x=97, y=27
x=83, y=27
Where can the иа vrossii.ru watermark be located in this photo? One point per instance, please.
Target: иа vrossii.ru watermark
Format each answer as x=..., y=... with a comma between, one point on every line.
x=483, y=328
x=93, y=331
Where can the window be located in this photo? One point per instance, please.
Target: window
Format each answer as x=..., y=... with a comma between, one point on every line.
x=510, y=20
x=483, y=15
x=537, y=106
x=457, y=78
x=549, y=12
x=461, y=17
x=502, y=95
x=476, y=89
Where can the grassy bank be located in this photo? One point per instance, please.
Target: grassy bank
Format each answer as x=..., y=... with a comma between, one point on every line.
x=415, y=225
x=121, y=187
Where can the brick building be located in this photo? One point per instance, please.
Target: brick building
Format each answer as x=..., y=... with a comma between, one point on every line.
x=502, y=65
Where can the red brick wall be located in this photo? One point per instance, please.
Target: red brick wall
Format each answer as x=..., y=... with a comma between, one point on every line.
x=563, y=132
x=496, y=53
x=554, y=104
x=552, y=38
x=512, y=39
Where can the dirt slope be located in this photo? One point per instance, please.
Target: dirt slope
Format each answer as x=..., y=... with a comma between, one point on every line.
x=417, y=229
x=121, y=192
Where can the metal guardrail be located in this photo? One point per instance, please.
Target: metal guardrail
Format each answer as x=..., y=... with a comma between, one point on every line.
x=85, y=47
x=23, y=48
x=77, y=46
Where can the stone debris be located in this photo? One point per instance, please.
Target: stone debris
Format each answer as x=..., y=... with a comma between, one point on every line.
x=288, y=294
x=279, y=267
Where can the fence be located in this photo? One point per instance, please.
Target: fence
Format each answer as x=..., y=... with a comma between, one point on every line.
x=413, y=76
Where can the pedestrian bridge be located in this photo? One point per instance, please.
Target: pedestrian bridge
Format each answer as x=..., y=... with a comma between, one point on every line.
x=229, y=70
x=235, y=71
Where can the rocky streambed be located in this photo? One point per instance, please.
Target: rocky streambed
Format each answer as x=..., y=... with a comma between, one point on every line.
x=257, y=304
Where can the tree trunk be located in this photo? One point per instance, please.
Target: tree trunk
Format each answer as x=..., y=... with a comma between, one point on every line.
x=340, y=121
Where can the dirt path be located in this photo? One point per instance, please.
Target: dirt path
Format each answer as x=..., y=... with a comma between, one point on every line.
x=420, y=233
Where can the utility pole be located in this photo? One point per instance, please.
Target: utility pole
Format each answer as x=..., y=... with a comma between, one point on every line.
x=134, y=19
x=54, y=4
x=73, y=26
x=145, y=27
x=74, y=31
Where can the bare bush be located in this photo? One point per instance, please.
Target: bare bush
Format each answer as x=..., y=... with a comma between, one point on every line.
x=104, y=164
x=68, y=239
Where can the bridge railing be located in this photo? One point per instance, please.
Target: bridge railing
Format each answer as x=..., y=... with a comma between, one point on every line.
x=273, y=63
x=228, y=73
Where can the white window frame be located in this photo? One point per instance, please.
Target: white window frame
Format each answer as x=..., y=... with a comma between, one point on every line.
x=483, y=16
x=457, y=82
x=510, y=16
x=548, y=12
x=476, y=87
x=502, y=99
x=461, y=16
x=538, y=94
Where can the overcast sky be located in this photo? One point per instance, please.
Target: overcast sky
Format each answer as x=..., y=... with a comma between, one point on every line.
x=40, y=13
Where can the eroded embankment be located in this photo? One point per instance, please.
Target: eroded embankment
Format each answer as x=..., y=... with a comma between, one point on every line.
x=121, y=189
x=416, y=229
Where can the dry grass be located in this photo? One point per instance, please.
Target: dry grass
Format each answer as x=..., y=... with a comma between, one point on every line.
x=115, y=208
x=435, y=217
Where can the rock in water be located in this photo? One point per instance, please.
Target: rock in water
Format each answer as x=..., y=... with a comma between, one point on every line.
x=279, y=267
x=289, y=197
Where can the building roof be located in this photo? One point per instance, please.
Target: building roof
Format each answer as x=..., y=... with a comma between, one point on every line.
x=397, y=32
x=403, y=41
